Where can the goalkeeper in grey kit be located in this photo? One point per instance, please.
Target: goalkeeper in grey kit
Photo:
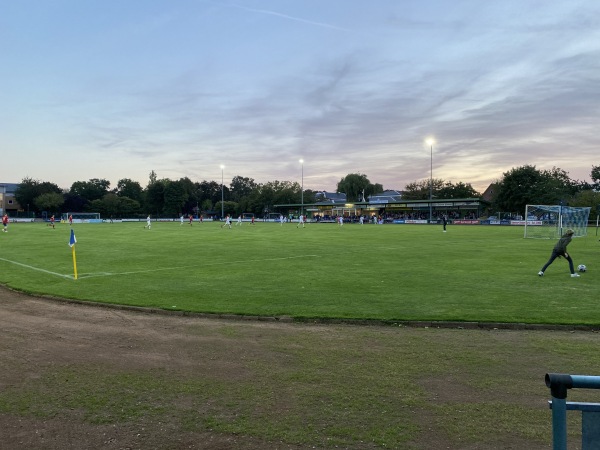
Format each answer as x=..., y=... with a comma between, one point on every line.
x=560, y=249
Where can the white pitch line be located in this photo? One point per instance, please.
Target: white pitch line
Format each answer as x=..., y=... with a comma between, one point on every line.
x=109, y=274
x=36, y=268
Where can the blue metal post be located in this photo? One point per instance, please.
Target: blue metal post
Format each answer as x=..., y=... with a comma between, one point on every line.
x=559, y=423
x=558, y=384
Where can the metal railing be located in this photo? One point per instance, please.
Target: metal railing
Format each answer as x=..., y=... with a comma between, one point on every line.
x=559, y=384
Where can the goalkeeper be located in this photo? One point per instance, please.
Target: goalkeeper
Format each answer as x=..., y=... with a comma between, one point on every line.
x=560, y=249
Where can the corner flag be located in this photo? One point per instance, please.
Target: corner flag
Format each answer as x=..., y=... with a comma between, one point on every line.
x=72, y=242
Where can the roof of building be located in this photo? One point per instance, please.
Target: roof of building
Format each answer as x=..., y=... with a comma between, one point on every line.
x=8, y=188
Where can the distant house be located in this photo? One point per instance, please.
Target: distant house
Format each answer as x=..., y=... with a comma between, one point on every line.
x=386, y=197
x=491, y=191
x=330, y=197
x=8, y=203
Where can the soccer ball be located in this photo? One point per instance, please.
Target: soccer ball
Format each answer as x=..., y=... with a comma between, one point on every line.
x=581, y=267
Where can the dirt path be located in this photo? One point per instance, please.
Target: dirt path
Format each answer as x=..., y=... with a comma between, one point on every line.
x=39, y=333
x=40, y=336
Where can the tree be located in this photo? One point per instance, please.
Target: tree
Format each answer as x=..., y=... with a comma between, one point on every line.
x=595, y=175
x=175, y=197
x=129, y=188
x=155, y=196
x=206, y=205
x=589, y=198
x=94, y=189
x=29, y=189
x=228, y=208
x=310, y=196
x=527, y=185
x=241, y=187
x=211, y=190
x=458, y=190
x=264, y=196
x=192, y=194
x=517, y=188
x=354, y=184
x=420, y=190
x=128, y=207
x=110, y=204
x=555, y=187
x=50, y=201
x=73, y=203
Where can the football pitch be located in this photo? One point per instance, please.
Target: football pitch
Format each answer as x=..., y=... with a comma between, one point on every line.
x=322, y=271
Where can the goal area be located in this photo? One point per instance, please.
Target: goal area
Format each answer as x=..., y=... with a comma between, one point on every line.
x=551, y=221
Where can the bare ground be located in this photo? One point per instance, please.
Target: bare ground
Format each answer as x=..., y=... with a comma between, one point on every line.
x=38, y=333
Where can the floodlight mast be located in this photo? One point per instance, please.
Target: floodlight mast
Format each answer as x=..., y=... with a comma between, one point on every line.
x=222, y=195
x=430, y=142
x=302, y=189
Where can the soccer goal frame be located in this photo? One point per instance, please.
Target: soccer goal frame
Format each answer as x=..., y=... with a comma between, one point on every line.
x=551, y=221
x=80, y=217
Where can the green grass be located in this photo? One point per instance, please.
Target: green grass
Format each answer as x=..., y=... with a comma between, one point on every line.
x=391, y=272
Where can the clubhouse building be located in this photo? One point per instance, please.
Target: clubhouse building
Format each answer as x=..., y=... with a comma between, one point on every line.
x=389, y=207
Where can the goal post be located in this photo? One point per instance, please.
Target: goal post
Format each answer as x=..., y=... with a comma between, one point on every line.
x=551, y=221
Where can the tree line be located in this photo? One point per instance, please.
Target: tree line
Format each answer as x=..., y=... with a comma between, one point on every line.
x=170, y=198
x=161, y=197
x=527, y=185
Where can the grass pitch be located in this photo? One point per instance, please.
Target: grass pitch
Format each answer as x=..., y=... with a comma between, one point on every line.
x=390, y=272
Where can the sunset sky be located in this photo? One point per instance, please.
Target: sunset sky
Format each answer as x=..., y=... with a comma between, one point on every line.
x=115, y=89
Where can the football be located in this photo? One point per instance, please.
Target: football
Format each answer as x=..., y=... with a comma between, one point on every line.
x=581, y=267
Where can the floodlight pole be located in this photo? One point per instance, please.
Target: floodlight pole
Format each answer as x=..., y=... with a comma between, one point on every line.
x=430, y=141
x=431, y=184
x=302, y=189
x=222, y=195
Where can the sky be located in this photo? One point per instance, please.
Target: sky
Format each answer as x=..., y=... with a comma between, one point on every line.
x=115, y=89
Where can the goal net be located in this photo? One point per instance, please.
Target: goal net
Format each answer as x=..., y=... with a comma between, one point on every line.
x=80, y=217
x=551, y=221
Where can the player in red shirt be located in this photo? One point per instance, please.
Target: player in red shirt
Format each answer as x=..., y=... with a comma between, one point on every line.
x=5, y=223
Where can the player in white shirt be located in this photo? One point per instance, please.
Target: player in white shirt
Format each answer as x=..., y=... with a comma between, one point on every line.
x=227, y=222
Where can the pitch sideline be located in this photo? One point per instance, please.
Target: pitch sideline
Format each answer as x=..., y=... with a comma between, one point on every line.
x=109, y=274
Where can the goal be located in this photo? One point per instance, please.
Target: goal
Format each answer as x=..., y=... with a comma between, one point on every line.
x=551, y=221
x=80, y=217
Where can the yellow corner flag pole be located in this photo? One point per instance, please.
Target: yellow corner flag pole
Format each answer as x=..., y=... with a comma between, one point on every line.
x=72, y=242
x=74, y=263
